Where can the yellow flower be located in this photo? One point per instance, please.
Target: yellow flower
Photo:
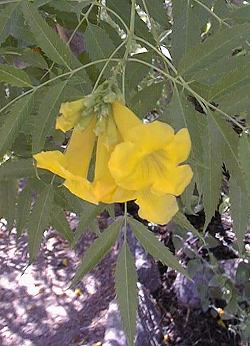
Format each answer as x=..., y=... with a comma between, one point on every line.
x=70, y=113
x=73, y=165
x=75, y=161
x=133, y=161
x=148, y=163
x=103, y=186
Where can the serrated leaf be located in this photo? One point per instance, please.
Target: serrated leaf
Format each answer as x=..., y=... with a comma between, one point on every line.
x=146, y=99
x=98, y=43
x=240, y=14
x=97, y=250
x=180, y=113
x=183, y=222
x=157, y=11
x=155, y=248
x=8, y=192
x=87, y=221
x=186, y=28
x=123, y=9
x=56, y=49
x=14, y=76
x=212, y=177
x=39, y=220
x=17, y=115
x=74, y=203
x=17, y=168
x=244, y=156
x=214, y=48
x=60, y=223
x=126, y=291
x=47, y=113
x=231, y=82
x=136, y=72
x=35, y=59
x=240, y=210
x=23, y=209
x=7, y=20
x=230, y=141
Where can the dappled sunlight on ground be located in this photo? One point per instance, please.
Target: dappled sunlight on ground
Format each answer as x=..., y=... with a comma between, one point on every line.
x=36, y=306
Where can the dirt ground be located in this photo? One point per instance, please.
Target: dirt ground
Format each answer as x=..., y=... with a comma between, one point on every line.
x=38, y=309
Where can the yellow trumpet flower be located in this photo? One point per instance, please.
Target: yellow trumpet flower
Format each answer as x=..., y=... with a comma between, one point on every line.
x=75, y=161
x=148, y=163
x=133, y=161
x=70, y=113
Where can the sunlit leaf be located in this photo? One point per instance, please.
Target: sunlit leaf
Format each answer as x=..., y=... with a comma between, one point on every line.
x=14, y=76
x=154, y=247
x=126, y=291
x=17, y=115
x=39, y=220
x=97, y=251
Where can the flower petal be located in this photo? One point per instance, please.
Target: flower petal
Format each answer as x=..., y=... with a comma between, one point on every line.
x=124, y=118
x=79, y=151
x=70, y=115
x=151, y=137
x=52, y=161
x=174, y=181
x=104, y=184
x=157, y=209
x=179, y=149
x=81, y=188
x=76, y=159
x=127, y=167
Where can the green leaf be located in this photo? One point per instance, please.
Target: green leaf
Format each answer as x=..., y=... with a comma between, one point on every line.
x=136, y=72
x=18, y=114
x=33, y=58
x=39, y=220
x=241, y=14
x=180, y=113
x=97, y=251
x=230, y=141
x=8, y=192
x=123, y=9
x=17, y=168
x=23, y=209
x=231, y=82
x=146, y=100
x=14, y=76
x=60, y=223
x=154, y=247
x=219, y=45
x=98, y=43
x=240, y=210
x=156, y=11
x=212, y=177
x=56, y=49
x=8, y=18
x=47, y=113
x=87, y=221
x=244, y=156
x=126, y=291
x=186, y=28
x=183, y=222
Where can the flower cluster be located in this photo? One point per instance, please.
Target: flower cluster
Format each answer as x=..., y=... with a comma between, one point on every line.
x=132, y=160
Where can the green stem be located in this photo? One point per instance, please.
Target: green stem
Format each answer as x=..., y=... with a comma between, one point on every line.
x=85, y=16
x=221, y=21
x=70, y=73
x=130, y=38
x=115, y=14
x=106, y=64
